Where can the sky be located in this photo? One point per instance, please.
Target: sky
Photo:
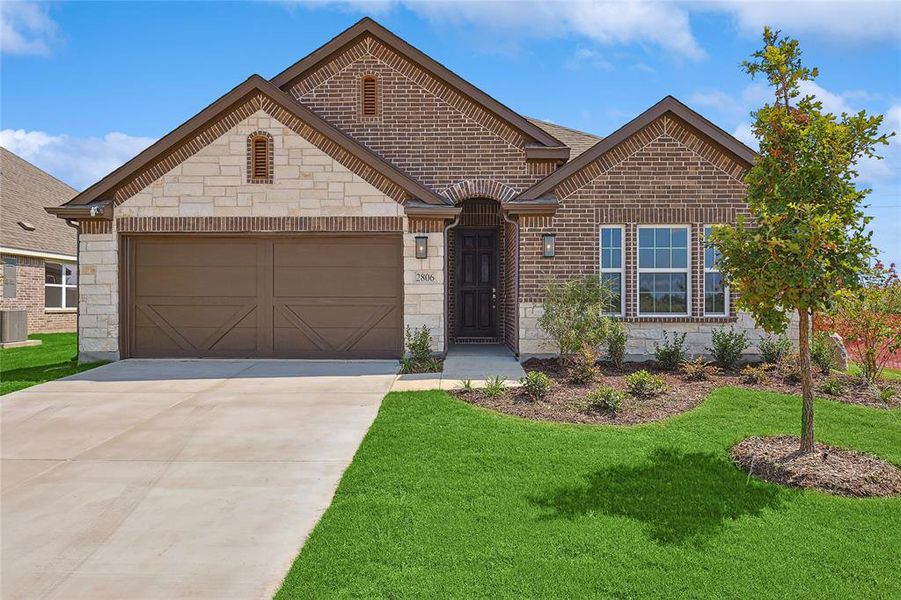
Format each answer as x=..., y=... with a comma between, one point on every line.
x=84, y=86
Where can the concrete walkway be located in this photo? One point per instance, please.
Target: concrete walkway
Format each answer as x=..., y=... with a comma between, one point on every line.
x=474, y=362
x=175, y=479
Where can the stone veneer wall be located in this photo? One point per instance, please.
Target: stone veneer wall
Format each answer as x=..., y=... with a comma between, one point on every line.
x=213, y=183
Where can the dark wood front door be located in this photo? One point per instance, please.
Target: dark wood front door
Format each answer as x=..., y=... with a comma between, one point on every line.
x=476, y=283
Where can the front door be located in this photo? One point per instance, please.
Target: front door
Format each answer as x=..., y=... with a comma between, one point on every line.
x=477, y=283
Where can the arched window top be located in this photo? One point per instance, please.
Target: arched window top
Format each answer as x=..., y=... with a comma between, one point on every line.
x=369, y=100
x=259, y=157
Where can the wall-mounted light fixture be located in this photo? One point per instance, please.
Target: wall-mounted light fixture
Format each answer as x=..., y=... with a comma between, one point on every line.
x=548, y=244
x=422, y=246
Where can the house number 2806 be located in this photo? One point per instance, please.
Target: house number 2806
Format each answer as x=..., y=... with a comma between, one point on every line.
x=425, y=278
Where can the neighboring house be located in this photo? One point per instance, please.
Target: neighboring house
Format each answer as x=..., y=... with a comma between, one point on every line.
x=37, y=250
x=367, y=188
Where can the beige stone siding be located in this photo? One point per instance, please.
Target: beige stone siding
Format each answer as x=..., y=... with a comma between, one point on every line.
x=98, y=300
x=424, y=287
x=643, y=335
x=307, y=182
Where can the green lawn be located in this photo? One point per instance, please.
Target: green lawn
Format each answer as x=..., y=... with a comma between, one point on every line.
x=444, y=499
x=888, y=374
x=54, y=358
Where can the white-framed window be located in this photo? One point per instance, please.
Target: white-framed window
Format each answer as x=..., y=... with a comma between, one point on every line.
x=60, y=285
x=611, y=267
x=663, y=270
x=716, y=292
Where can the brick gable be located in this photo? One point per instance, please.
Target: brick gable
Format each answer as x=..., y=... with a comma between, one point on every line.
x=428, y=130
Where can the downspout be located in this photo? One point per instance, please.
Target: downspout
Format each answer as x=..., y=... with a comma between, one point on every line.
x=515, y=224
x=453, y=223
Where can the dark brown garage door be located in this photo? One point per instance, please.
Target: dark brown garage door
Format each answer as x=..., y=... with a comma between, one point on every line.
x=301, y=297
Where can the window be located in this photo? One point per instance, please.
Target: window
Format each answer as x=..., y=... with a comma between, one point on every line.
x=716, y=293
x=60, y=285
x=259, y=157
x=663, y=271
x=9, y=276
x=612, y=267
x=369, y=100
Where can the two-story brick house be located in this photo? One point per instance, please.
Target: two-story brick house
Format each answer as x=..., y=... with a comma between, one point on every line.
x=366, y=188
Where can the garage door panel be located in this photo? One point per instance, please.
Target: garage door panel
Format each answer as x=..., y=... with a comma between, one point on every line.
x=304, y=297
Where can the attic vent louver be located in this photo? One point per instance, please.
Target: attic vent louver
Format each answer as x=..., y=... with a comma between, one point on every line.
x=369, y=97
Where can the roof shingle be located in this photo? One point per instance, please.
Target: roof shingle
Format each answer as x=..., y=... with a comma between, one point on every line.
x=24, y=192
x=578, y=141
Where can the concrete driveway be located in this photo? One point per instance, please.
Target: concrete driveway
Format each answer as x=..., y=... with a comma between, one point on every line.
x=175, y=479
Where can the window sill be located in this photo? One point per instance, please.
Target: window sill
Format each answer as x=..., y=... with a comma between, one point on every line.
x=50, y=311
x=680, y=319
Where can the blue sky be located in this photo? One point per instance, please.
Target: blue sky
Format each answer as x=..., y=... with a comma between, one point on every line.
x=86, y=85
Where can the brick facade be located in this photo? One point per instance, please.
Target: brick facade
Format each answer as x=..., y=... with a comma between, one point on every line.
x=30, y=297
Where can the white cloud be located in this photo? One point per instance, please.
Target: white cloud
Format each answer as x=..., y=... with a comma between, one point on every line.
x=79, y=161
x=26, y=28
x=862, y=21
x=586, y=57
x=662, y=24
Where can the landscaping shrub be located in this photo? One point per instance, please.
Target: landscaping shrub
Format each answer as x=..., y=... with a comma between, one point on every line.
x=494, y=387
x=584, y=365
x=789, y=367
x=774, y=347
x=821, y=352
x=728, y=346
x=834, y=386
x=467, y=386
x=418, y=345
x=573, y=314
x=616, y=343
x=644, y=385
x=755, y=374
x=606, y=398
x=536, y=384
x=886, y=393
x=671, y=353
x=697, y=369
x=870, y=320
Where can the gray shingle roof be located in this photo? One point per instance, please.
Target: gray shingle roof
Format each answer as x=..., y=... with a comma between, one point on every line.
x=578, y=141
x=24, y=192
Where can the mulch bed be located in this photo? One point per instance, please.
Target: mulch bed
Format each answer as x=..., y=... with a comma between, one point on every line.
x=828, y=469
x=566, y=401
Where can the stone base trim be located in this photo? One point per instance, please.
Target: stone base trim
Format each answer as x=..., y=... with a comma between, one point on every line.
x=257, y=224
x=97, y=356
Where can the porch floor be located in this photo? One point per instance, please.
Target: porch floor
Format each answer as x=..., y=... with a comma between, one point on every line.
x=475, y=362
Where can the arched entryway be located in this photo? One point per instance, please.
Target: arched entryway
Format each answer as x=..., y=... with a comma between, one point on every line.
x=481, y=276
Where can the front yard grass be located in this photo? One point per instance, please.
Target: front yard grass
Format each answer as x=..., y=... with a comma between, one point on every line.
x=56, y=357
x=446, y=499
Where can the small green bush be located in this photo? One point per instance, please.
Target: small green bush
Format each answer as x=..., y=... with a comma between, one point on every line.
x=773, y=347
x=886, y=393
x=606, y=398
x=789, y=367
x=584, y=365
x=574, y=314
x=467, y=386
x=536, y=384
x=821, y=352
x=671, y=353
x=834, y=386
x=494, y=387
x=418, y=343
x=644, y=385
x=755, y=374
x=697, y=369
x=728, y=346
x=616, y=343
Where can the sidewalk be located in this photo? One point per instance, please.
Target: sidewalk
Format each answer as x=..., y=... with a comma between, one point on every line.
x=474, y=362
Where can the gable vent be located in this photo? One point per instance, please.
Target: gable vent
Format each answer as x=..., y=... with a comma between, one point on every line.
x=260, y=158
x=370, y=101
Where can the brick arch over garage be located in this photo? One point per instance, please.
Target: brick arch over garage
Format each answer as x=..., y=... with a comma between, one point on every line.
x=468, y=189
x=484, y=212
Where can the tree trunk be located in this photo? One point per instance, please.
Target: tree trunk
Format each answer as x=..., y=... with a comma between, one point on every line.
x=806, y=382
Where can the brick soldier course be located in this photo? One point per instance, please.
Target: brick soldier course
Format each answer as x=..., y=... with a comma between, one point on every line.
x=437, y=158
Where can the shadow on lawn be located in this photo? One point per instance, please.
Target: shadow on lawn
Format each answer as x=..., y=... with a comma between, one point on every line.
x=680, y=497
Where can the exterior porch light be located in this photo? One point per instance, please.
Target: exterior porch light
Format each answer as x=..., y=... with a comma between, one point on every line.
x=422, y=246
x=548, y=244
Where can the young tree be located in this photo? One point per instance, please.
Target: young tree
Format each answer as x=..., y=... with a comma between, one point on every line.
x=807, y=239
